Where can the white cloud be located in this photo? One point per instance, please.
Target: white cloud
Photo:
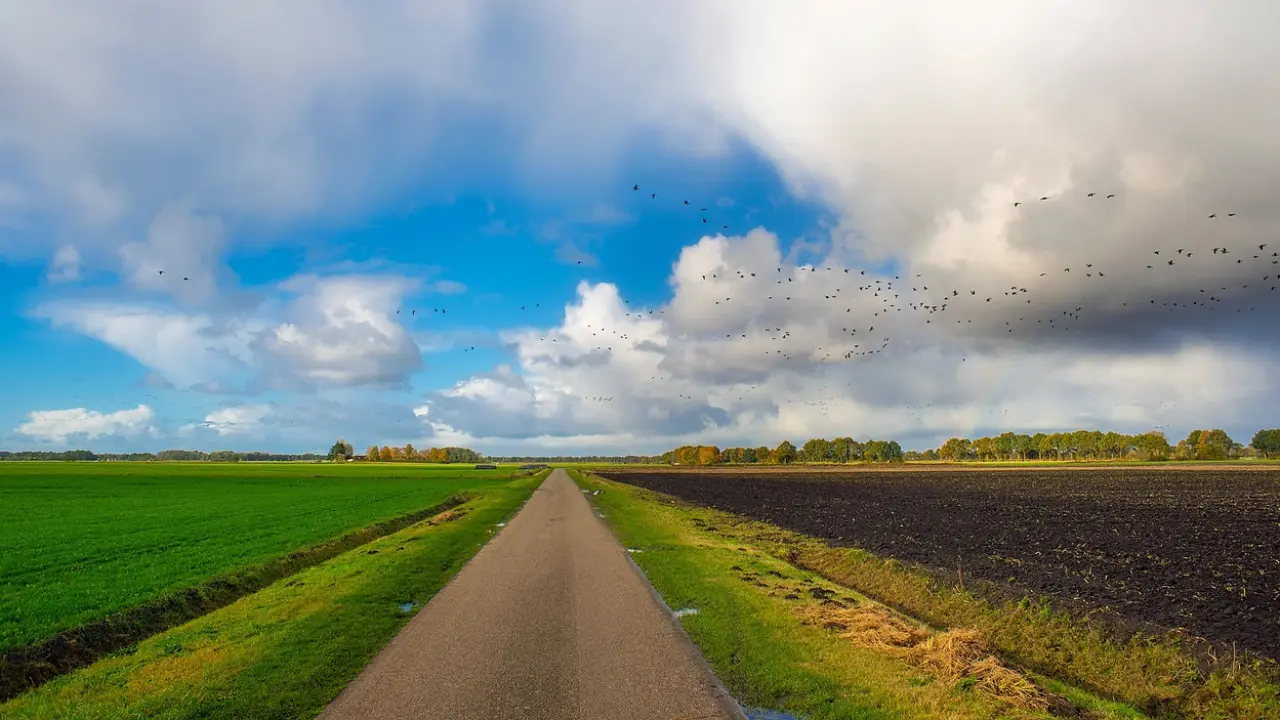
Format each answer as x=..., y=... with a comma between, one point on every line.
x=342, y=331
x=58, y=426
x=185, y=348
x=334, y=331
x=918, y=123
x=724, y=361
x=179, y=257
x=237, y=419
x=97, y=121
x=65, y=265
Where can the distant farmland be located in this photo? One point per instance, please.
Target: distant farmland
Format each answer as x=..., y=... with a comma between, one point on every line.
x=1177, y=548
x=81, y=541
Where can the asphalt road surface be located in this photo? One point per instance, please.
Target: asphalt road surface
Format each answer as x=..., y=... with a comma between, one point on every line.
x=549, y=620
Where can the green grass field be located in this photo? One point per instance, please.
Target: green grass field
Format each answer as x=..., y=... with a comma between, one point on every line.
x=82, y=540
x=285, y=651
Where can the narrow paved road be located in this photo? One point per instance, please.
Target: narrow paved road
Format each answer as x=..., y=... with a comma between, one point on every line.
x=549, y=620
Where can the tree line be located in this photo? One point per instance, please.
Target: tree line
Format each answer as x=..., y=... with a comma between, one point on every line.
x=601, y=459
x=1214, y=444
x=840, y=450
x=162, y=456
x=409, y=453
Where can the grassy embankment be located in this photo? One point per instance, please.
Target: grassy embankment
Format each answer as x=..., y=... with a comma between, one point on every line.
x=287, y=649
x=791, y=623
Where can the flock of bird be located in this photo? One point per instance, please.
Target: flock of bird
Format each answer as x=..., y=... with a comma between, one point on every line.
x=852, y=304
x=937, y=304
x=856, y=303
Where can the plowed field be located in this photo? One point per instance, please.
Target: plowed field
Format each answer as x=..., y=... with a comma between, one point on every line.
x=1197, y=549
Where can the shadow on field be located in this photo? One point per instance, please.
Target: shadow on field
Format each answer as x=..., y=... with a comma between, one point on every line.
x=25, y=668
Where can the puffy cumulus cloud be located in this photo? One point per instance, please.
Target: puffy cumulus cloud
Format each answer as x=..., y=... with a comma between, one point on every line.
x=342, y=331
x=752, y=348
x=58, y=426
x=323, y=332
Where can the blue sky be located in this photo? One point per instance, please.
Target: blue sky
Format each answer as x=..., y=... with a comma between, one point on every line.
x=340, y=167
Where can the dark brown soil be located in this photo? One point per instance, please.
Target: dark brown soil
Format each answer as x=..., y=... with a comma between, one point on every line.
x=1192, y=549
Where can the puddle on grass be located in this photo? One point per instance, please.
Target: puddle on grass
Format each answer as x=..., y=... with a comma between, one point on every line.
x=685, y=611
x=762, y=714
x=408, y=607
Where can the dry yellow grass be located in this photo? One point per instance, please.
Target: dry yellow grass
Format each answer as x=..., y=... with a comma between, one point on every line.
x=446, y=516
x=957, y=656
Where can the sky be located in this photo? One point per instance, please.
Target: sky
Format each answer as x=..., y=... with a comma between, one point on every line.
x=262, y=226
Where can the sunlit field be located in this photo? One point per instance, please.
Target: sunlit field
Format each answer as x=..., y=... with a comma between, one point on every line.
x=83, y=540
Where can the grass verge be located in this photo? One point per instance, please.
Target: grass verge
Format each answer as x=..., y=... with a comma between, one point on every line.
x=784, y=638
x=288, y=649
x=1072, y=664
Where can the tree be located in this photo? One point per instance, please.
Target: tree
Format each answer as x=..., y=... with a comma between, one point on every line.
x=1004, y=446
x=707, y=454
x=785, y=453
x=341, y=451
x=817, y=450
x=1151, y=446
x=1266, y=443
x=410, y=454
x=372, y=454
x=1209, y=445
x=954, y=449
x=385, y=454
x=764, y=455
